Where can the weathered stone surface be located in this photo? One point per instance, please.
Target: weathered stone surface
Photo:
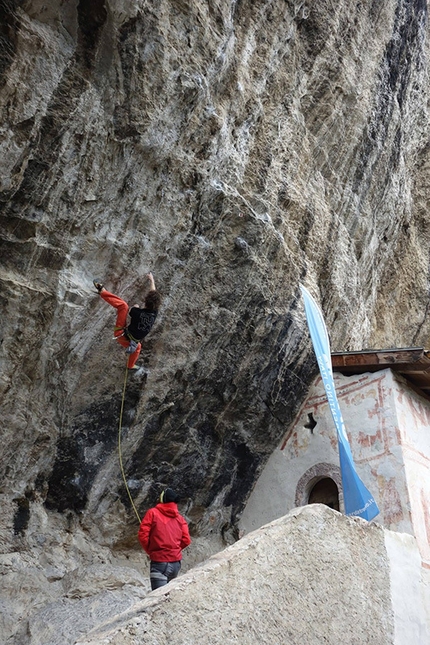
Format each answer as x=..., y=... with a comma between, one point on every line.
x=234, y=150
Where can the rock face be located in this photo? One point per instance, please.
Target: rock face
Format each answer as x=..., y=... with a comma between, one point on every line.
x=234, y=149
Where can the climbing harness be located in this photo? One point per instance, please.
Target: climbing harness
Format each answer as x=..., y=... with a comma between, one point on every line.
x=121, y=329
x=119, y=444
x=132, y=340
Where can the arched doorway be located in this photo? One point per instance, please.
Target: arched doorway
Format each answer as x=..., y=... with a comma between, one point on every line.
x=325, y=491
x=321, y=484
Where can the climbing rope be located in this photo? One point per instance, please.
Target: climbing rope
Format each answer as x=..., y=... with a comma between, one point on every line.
x=119, y=444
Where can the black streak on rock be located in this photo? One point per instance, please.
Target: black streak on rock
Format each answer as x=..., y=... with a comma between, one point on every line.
x=91, y=17
x=8, y=33
x=80, y=455
x=403, y=53
x=22, y=516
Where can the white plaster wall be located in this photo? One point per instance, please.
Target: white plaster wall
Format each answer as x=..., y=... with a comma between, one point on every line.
x=274, y=493
x=410, y=592
x=370, y=415
x=413, y=412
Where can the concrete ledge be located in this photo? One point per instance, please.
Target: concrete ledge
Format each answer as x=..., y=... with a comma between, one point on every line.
x=313, y=576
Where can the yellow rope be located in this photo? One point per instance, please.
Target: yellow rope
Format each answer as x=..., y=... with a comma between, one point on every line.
x=119, y=444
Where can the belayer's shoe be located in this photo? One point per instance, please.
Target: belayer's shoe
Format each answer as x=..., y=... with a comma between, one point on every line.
x=98, y=285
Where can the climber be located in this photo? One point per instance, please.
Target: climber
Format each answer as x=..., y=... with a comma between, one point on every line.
x=163, y=534
x=142, y=319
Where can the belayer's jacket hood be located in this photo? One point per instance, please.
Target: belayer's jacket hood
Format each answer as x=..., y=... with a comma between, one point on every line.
x=169, y=509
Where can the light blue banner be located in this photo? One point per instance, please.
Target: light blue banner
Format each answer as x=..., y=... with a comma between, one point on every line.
x=358, y=500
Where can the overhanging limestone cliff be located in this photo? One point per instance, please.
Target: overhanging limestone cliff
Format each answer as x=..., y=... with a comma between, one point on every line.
x=232, y=150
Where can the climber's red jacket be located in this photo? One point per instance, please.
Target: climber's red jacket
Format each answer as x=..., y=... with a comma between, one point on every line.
x=164, y=533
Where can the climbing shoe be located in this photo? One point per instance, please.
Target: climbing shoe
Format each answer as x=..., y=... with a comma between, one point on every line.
x=98, y=285
x=135, y=367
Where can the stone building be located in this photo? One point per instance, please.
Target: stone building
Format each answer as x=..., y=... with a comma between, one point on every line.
x=385, y=402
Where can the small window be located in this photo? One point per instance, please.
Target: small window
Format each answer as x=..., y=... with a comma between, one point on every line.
x=325, y=491
x=311, y=423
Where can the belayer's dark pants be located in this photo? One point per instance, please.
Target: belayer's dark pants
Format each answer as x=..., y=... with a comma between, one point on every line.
x=163, y=572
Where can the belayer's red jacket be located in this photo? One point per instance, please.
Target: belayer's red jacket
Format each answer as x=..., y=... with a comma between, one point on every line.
x=164, y=533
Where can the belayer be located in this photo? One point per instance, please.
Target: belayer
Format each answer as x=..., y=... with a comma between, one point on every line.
x=142, y=319
x=164, y=534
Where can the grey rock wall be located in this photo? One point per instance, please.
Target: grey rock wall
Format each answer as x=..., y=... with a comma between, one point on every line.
x=234, y=149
